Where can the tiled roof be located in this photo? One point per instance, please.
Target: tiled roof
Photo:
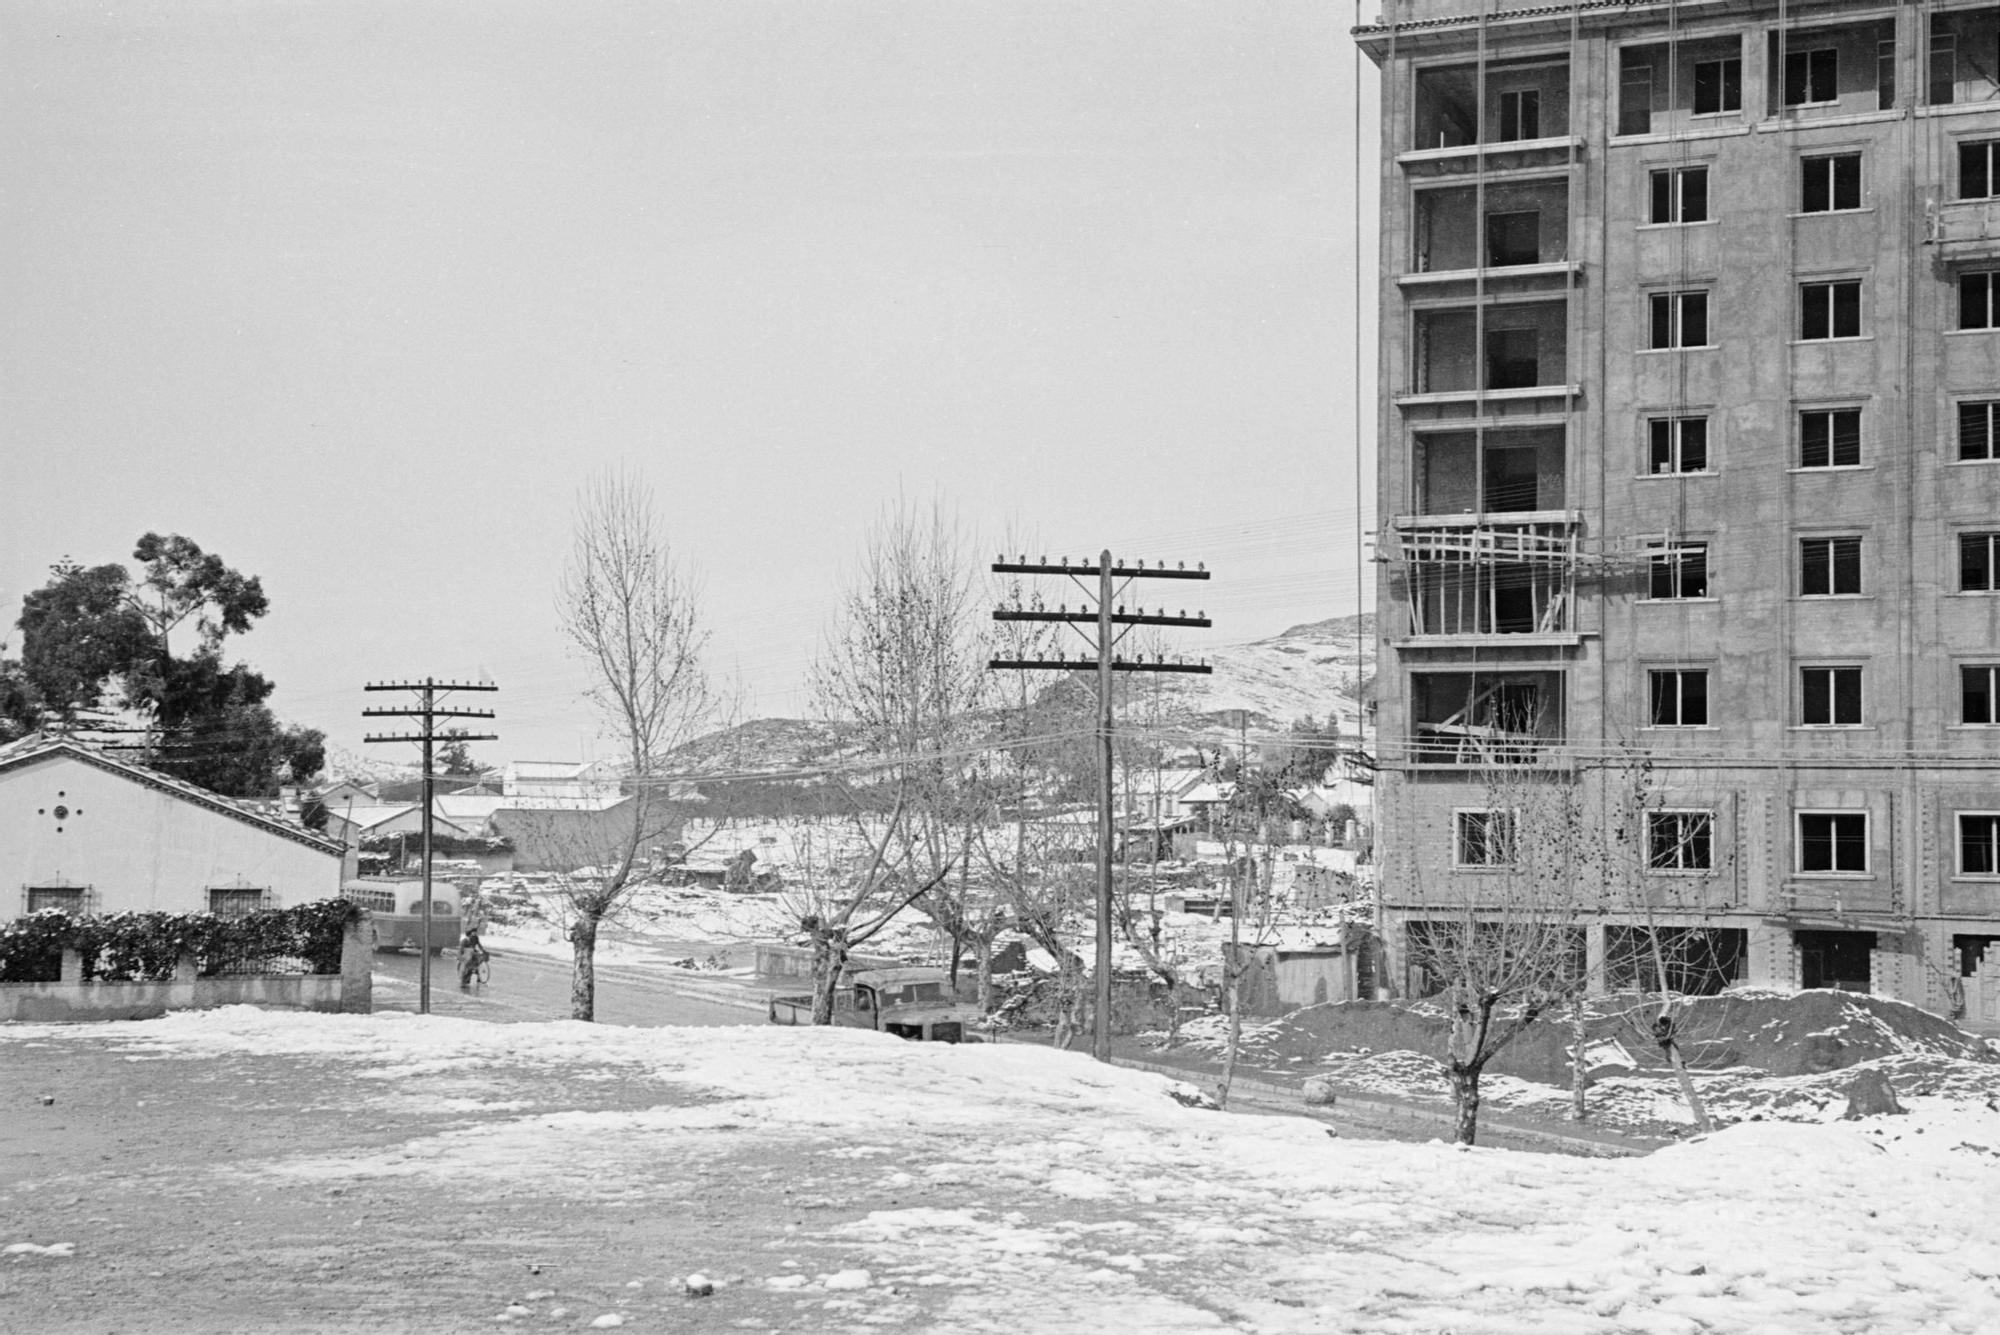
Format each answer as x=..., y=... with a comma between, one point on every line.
x=36, y=748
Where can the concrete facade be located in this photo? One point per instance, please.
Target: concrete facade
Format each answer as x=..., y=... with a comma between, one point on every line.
x=1689, y=457
x=84, y=831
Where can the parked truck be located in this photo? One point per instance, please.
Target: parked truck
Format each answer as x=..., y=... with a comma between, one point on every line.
x=910, y=1003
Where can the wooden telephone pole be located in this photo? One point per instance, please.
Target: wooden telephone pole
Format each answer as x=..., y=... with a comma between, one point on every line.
x=1104, y=661
x=428, y=690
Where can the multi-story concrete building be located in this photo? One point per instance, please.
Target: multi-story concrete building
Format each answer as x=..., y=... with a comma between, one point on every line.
x=1689, y=467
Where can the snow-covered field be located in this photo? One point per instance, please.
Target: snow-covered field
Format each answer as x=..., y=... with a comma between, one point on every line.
x=1011, y=1188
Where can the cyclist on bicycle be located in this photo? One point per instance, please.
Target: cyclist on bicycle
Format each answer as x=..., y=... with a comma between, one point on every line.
x=471, y=955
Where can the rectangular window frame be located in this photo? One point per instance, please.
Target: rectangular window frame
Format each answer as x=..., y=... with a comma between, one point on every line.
x=1830, y=310
x=1677, y=572
x=1831, y=183
x=235, y=901
x=1978, y=169
x=1673, y=315
x=1719, y=81
x=1977, y=431
x=1520, y=115
x=1983, y=829
x=1678, y=446
x=1811, y=77
x=1677, y=196
x=1688, y=848
x=1834, y=561
x=1828, y=440
x=1669, y=701
x=1979, y=694
x=1836, y=692
x=1472, y=833
x=1979, y=561
x=1979, y=299
x=1836, y=842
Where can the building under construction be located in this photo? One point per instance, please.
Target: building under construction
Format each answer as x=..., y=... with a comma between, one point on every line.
x=1689, y=468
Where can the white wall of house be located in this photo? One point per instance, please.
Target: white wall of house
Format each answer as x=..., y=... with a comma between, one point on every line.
x=137, y=847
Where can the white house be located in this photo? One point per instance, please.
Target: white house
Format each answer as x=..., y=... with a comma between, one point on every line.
x=350, y=825
x=84, y=831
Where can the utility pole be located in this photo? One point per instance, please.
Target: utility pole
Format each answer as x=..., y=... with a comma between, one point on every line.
x=428, y=690
x=1104, y=658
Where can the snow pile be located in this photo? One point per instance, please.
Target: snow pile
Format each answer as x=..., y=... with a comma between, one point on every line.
x=1008, y=1188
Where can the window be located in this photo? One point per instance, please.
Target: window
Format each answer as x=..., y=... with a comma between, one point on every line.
x=1484, y=838
x=1830, y=438
x=234, y=903
x=1979, y=694
x=67, y=898
x=1678, y=570
x=1979, y=169
x=1830, y=310
x=1679, y=697
x=1513, y=358
x=1677, y=445
x=1521, y=115
x=1979, y=562
x=1513, y=238
x=1885, y=75
x=1830, y=184
x=1979, y=301
x=1979, y=429
x=1830, y=697
x=1718, y=86
x=1680, y=195
x=1833, y=841
x=1679, y=320
x=1829, y=567
x=1812, y=76
x=1942, y=86
x=1680, y=840
x=1635, y=99
x=1979, y=843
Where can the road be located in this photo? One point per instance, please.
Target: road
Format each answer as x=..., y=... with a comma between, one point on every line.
x=527, y=987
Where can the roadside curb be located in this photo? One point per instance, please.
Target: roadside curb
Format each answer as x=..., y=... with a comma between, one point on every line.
x=1586, y=1141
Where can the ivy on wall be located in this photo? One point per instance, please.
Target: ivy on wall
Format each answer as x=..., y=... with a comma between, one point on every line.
x=147, y=947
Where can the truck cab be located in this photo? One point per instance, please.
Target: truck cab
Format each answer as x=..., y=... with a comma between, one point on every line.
x=915, y=1003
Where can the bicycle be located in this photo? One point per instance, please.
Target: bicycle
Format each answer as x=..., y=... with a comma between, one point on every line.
x=477, y=969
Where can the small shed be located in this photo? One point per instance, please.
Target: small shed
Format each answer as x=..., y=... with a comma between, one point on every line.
x=1280, y=979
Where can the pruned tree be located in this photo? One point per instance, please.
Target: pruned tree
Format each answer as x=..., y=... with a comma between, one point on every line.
x=630, y=609
x=1501, y=942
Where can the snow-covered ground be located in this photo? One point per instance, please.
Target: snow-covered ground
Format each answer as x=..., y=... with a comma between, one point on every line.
x=1038, y=1191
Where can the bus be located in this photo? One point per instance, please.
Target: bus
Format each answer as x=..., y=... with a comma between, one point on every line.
x=396, y=908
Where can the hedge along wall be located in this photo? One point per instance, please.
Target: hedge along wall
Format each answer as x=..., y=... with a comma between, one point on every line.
x=133, y=965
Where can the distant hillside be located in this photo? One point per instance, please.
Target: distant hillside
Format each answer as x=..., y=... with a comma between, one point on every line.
x=764, y=744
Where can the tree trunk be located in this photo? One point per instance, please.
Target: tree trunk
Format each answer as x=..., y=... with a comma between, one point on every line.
x=1465, y=1092
x=957, y=953
x=982, y=955
x=1688, y=1091
x=1235, y=991
x=583, y=979
x=1578, y=1066
x=829, y=957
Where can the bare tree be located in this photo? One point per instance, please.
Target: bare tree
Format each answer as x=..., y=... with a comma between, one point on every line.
x=629, y=608
x=1504, y=944
x=905, y=665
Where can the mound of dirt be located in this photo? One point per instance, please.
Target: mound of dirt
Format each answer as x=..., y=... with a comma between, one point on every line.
x=1775, y=1033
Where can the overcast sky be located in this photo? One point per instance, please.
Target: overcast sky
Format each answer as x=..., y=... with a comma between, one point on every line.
x=356, y=294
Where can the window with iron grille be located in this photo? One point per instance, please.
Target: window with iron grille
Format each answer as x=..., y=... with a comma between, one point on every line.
x=1979, y=429
x=1829, y=567
x=1678, y=570
x=1483, y=838
x=1680, y=840
x=1979, y=694
x=71, y=899
x=1979, y=843
x=1979, y=300
x=1679, y=195
x=1830, y=183
x=1830, y=697
x=1679, y=697
x=1676, y=445
x=1979, y=562
x=1830, y=438
x=1833, y=841
x=235, y=901
x=1678, y=319
x=1830, y=310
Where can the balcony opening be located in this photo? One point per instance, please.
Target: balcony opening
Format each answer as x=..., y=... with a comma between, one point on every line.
x=1835, y=959
x=1661, y=87
x=1963, y=57
x=1526, y=345
x=1511, y=472
x=1523, y=101
x=1484, y=718
x=1697, y=961
x=1525, y=224
x=1489, y=579
x=1833, y=70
